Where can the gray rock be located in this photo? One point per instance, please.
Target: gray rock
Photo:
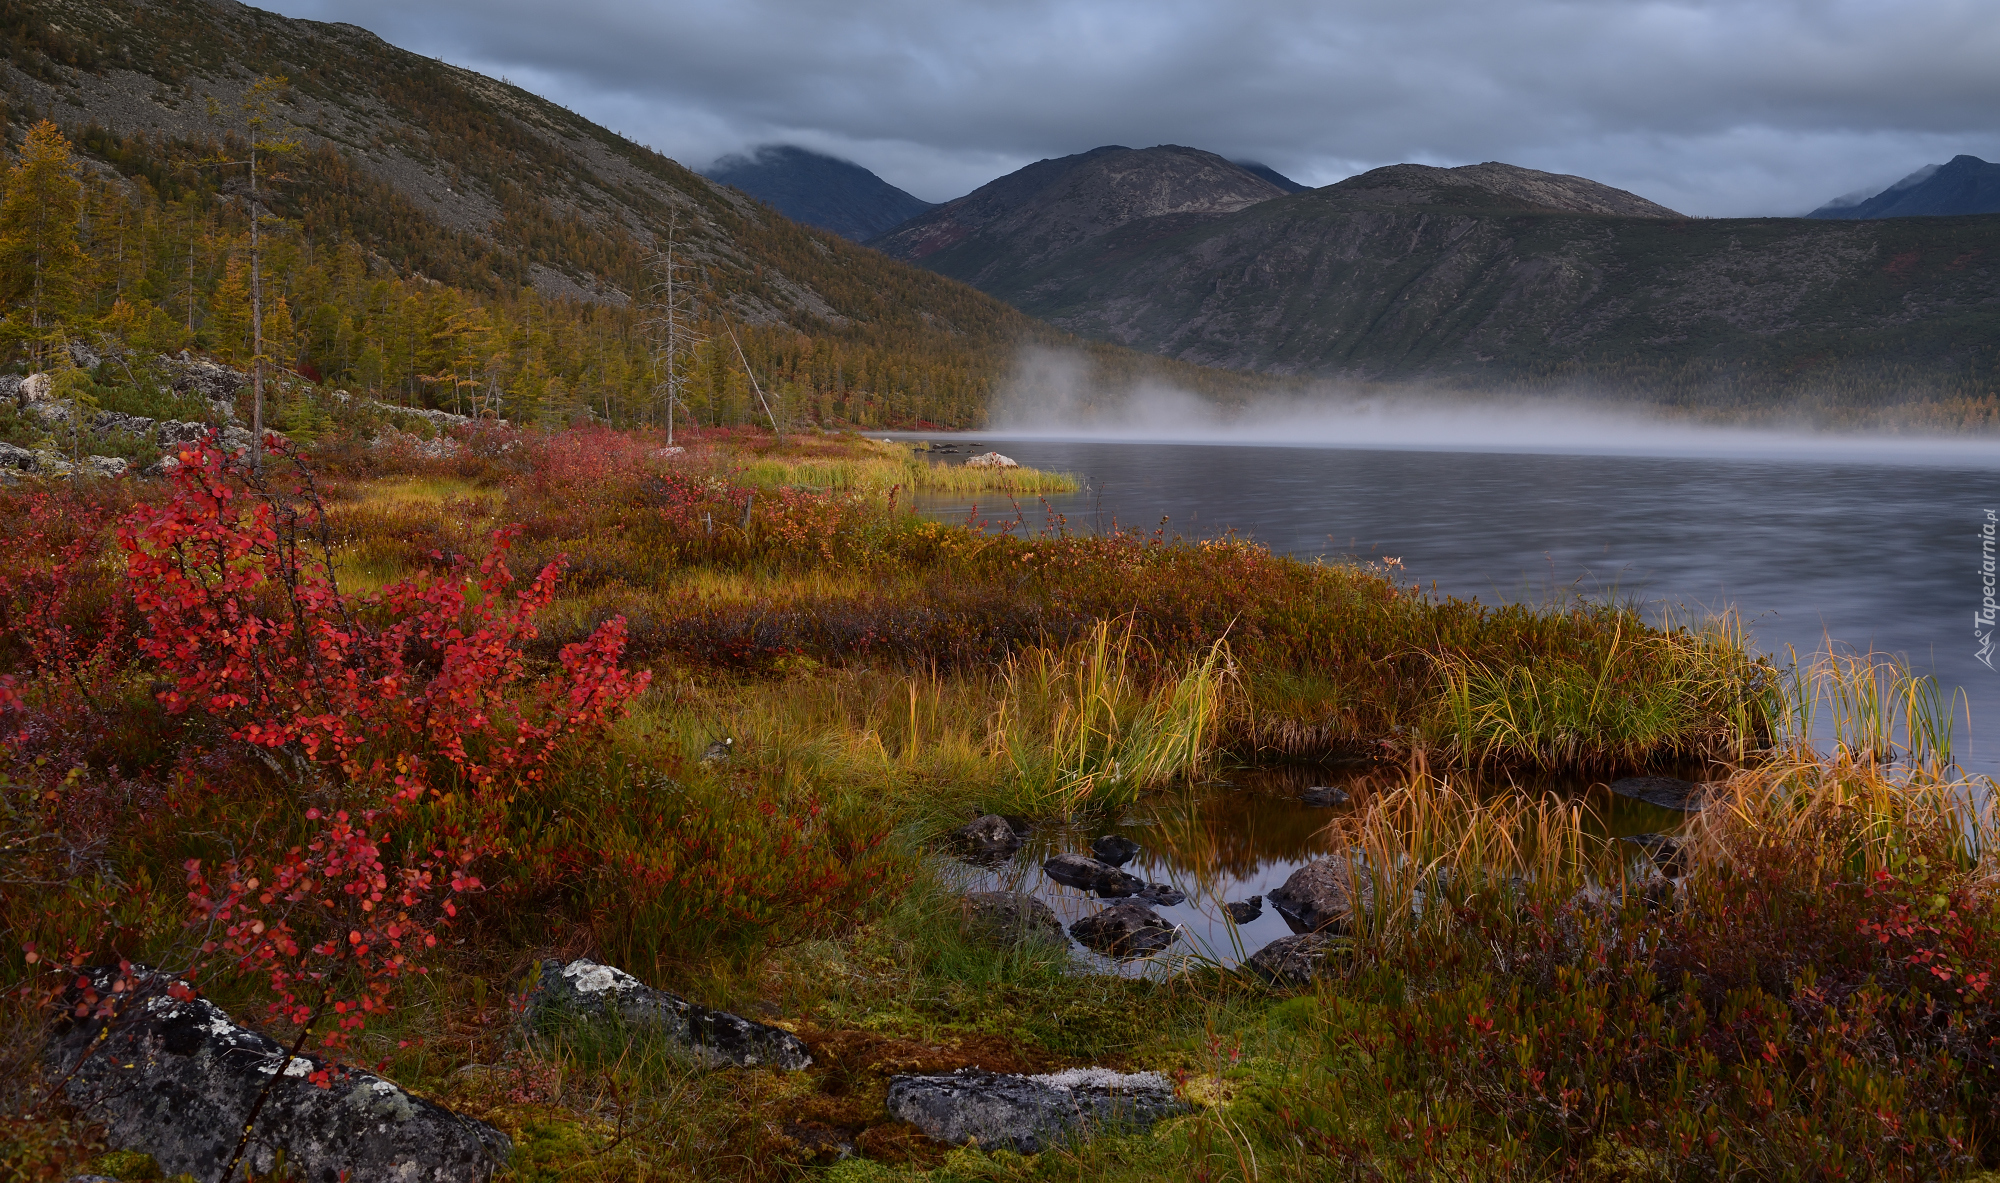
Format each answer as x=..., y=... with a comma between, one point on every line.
x=1667, y=792
x=10, y=387
x=715, y=1038
x=1114, y=850
x=1009, y=917
x=987, y=840
x=83, y=356
x=177, y=1080
x=1087, y=874
x=1294, y=960
x=1028, y=1114
x=1244, y=911
x=1324, y=796
x=33, y=389
x=1130, y=929
x=190, y=374
x=1319, y=896
x=106, y=466
x=170, y=432
x=1162, y=895
x=50, y=463
x=18, y=459
x=161, y=467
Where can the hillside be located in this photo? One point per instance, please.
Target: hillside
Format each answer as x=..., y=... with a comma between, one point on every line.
x=1963, y=185
x=511, y=233
x=1492, y=275
x=1040, y=213
x=818, y=190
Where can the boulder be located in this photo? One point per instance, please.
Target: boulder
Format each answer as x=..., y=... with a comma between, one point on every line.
x=987, y=840
x=191, y=375
x=1161, y=895
x=84, y=357
x=1667, y=792
x=589, y=991
x=18, y=459
x=1319, y=896
x=1130, y=929
x=177, y=1080
x=10, y=387
x=1009, y=917
x=991, y=460
x=1293, y=960
x=1324, y=797
x=50, y=463
x=33, y=389
x=106, y=465
x=1114, y=850
x=1244, y=911
x=1029, y=1114
x=1087, y=874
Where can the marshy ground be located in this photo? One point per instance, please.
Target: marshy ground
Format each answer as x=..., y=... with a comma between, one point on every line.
x=1810, y=1000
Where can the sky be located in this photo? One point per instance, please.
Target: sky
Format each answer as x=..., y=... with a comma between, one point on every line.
x=1720, y=108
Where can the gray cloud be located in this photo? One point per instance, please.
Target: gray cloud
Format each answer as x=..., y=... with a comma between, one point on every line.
x=1719, y=107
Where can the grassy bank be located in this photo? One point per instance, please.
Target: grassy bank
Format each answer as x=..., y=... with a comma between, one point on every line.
x=884, y=676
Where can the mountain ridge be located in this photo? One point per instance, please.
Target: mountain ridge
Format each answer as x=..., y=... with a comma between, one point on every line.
x=1962, y=185
x=815, y=189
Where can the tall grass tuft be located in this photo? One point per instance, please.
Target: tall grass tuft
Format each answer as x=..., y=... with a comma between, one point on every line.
x=1083, y=730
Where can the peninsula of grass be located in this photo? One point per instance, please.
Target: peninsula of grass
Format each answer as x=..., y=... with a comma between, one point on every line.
x=1813, y=1002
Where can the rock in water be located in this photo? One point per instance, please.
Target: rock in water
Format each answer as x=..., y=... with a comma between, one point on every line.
x=1114, y=850
x=1667, y=792
x=1008, y=917
x=1130, y=929
x=1244, y=911
x=1319, y=896
x=987, y=840
x=716, y=1038
x=992, y=460
x=1028, y=1114
x=178, y=1079
x=1324, y=796
x=1162, y=895
x=1294, y=960
x=1087, y=874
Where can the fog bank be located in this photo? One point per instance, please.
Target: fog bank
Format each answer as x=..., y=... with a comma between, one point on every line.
x=1055, y=395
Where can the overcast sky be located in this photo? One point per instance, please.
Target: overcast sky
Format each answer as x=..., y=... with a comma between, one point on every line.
x=1716, y=107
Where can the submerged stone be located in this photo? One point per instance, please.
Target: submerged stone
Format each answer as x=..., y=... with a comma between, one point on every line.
x=1162, y=895
x=1114, y=850
x=1319, y=897
x=1009, y=917
x=1244, y=911
x=1667, y=792
x=1324, y=796
x=177, y=1080
x=716, y=1038
x=1087, y=874
x=1028, y=1114
x=1130, y=929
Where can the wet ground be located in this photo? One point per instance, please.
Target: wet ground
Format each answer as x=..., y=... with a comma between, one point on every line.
x=1226, y=841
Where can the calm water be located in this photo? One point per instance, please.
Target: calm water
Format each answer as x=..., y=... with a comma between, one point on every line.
x=1855, y=550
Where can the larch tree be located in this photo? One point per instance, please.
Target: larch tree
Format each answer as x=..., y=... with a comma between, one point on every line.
x=42, y=263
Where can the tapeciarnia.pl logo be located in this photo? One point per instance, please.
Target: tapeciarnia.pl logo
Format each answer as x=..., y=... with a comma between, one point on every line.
x=1982, y=620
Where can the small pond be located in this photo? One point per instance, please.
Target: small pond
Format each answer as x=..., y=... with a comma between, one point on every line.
x=1224, y=842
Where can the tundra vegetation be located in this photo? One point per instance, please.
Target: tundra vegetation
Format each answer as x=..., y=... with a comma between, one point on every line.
x=356, y=741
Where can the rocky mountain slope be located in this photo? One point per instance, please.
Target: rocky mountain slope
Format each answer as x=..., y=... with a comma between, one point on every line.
x=1026, y=219
x=1963, y=185
x=1495, y=275
x=818, y=190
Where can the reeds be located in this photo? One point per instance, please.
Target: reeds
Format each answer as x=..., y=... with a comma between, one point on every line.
x=878, y=474
x=1082, y=730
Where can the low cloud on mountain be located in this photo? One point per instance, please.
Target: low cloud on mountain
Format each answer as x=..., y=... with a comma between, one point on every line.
x=1719, y=107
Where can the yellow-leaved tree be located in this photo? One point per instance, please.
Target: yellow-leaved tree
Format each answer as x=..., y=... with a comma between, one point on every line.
x=42, y=264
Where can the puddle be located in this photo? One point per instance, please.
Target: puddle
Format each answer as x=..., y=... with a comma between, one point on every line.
x=1222, y=843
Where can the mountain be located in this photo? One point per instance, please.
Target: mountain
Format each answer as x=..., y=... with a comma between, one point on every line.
x=1010, y=227
x=436, y=222
x=1492, y=275
x=1272, y=175
x=818, y=190
x=1963, y=185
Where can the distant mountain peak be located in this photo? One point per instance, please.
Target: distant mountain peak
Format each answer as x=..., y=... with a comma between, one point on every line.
x=1482, y=184
x=1272, y=175
x=1962, y=185
x=1009, y=225
x=818, y=189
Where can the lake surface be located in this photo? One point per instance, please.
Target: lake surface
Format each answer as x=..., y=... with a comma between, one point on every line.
x=1854, y=548
x=1865, y=553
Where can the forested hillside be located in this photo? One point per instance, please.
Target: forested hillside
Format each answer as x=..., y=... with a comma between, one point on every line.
x=440, y=238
